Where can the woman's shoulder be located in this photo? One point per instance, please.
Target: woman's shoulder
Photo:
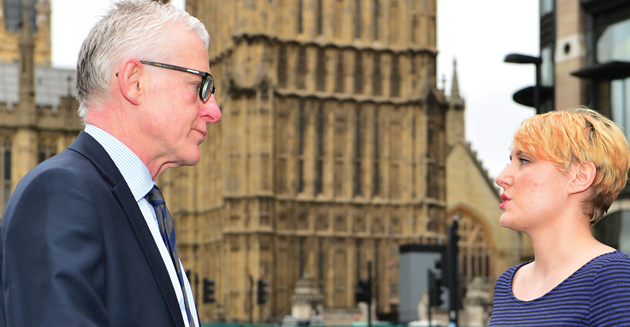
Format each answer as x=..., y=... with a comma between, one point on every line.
x=610, y=290
x=610, y=266
x=610, y=261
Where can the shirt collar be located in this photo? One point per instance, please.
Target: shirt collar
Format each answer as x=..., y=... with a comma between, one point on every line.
x=133, y=170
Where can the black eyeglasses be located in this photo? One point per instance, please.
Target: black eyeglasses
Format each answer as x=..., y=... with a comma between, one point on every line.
x=207, y=82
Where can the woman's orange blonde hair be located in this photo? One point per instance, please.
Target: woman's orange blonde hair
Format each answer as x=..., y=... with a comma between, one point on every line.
x=563, y=137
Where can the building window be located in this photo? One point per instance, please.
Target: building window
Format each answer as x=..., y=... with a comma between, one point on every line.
x=357, y=19
x=320, y=17
x=282, y=66
x=46, y=151
x=376, y=178
x=340, y=149
x=376, y=75
x=376, y=268
x=358, y=150
x=358, y=259
x=376, y=19
x=415, y=26
x=301, y=69
x=358, y=72
x=337, y=19
x=339, y=73
x=301, y=127
x=546, y=7
x=394, y=22
x=301, y=256
x=320, y=261
x=613, y=230
x=321, y=70
x=475, y=253
x=300, y=16
x=547, y=67
x=281, y=144
x=394, y=90
x=319, y=180
x=612, y=46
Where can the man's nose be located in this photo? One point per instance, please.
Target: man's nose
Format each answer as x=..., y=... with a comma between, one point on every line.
x=210, y=110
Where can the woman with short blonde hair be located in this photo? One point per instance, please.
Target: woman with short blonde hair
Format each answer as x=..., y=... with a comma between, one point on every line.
x=565, y=170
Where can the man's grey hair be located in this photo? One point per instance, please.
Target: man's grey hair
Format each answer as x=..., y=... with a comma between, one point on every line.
x=134, y=28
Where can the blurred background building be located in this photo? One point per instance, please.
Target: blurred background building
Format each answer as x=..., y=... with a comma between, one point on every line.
x=585, y=53
x=335, y=148
x=591, y=47
x=37, y=102
x=336, y=145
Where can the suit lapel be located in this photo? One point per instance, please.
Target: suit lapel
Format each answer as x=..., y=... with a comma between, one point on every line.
x=128, y=203
x=87, y=146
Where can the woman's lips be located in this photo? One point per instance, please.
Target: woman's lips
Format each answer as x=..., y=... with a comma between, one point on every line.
x=504, y=201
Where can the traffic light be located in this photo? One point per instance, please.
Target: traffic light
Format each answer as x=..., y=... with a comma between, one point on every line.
x=364, y=291
x=208, y=290
x=437, y=282
x=262, y=292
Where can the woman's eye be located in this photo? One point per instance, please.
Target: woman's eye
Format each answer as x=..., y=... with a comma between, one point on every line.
x=523, y=160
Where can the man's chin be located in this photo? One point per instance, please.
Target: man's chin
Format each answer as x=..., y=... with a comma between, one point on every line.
x=193, y=159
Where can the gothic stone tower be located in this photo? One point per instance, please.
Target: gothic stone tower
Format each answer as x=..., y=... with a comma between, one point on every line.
x=37, y=106
x=330, y=153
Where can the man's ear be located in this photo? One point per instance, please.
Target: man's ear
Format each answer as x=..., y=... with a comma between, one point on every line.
x=131, y=80
x=583, y=177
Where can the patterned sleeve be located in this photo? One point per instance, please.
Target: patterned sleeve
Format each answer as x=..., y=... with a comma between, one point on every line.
x=610, y=296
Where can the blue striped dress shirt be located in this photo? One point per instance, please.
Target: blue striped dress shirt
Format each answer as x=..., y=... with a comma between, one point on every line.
x=139, y=180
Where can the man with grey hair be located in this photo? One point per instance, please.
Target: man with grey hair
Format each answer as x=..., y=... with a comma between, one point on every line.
x=86, y=238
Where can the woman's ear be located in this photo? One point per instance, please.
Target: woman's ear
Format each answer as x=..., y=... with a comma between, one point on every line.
x=131, y=80
x=583, y=177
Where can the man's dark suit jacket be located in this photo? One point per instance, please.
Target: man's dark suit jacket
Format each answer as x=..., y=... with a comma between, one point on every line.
x=76, y=251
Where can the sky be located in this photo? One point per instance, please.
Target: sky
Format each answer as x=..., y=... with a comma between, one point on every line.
x=478, y=34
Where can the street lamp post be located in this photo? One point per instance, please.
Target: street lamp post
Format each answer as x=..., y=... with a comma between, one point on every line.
x=516, y=58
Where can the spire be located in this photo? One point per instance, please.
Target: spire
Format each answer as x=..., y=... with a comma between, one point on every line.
x=26, y=48
x=455, y=84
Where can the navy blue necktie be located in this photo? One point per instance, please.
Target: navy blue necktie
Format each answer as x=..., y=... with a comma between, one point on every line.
x=167, y=230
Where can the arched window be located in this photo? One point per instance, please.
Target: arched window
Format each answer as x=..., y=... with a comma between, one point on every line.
x=475, y=249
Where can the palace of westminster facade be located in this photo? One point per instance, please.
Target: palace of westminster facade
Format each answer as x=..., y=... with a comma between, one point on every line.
x=336, y=147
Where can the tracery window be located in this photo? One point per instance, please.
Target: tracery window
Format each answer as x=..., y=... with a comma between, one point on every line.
x=475, y=253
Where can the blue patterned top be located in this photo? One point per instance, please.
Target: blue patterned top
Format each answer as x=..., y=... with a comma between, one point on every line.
x=597, y=294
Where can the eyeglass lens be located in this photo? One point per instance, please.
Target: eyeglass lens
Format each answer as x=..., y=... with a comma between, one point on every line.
x=207, y=88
